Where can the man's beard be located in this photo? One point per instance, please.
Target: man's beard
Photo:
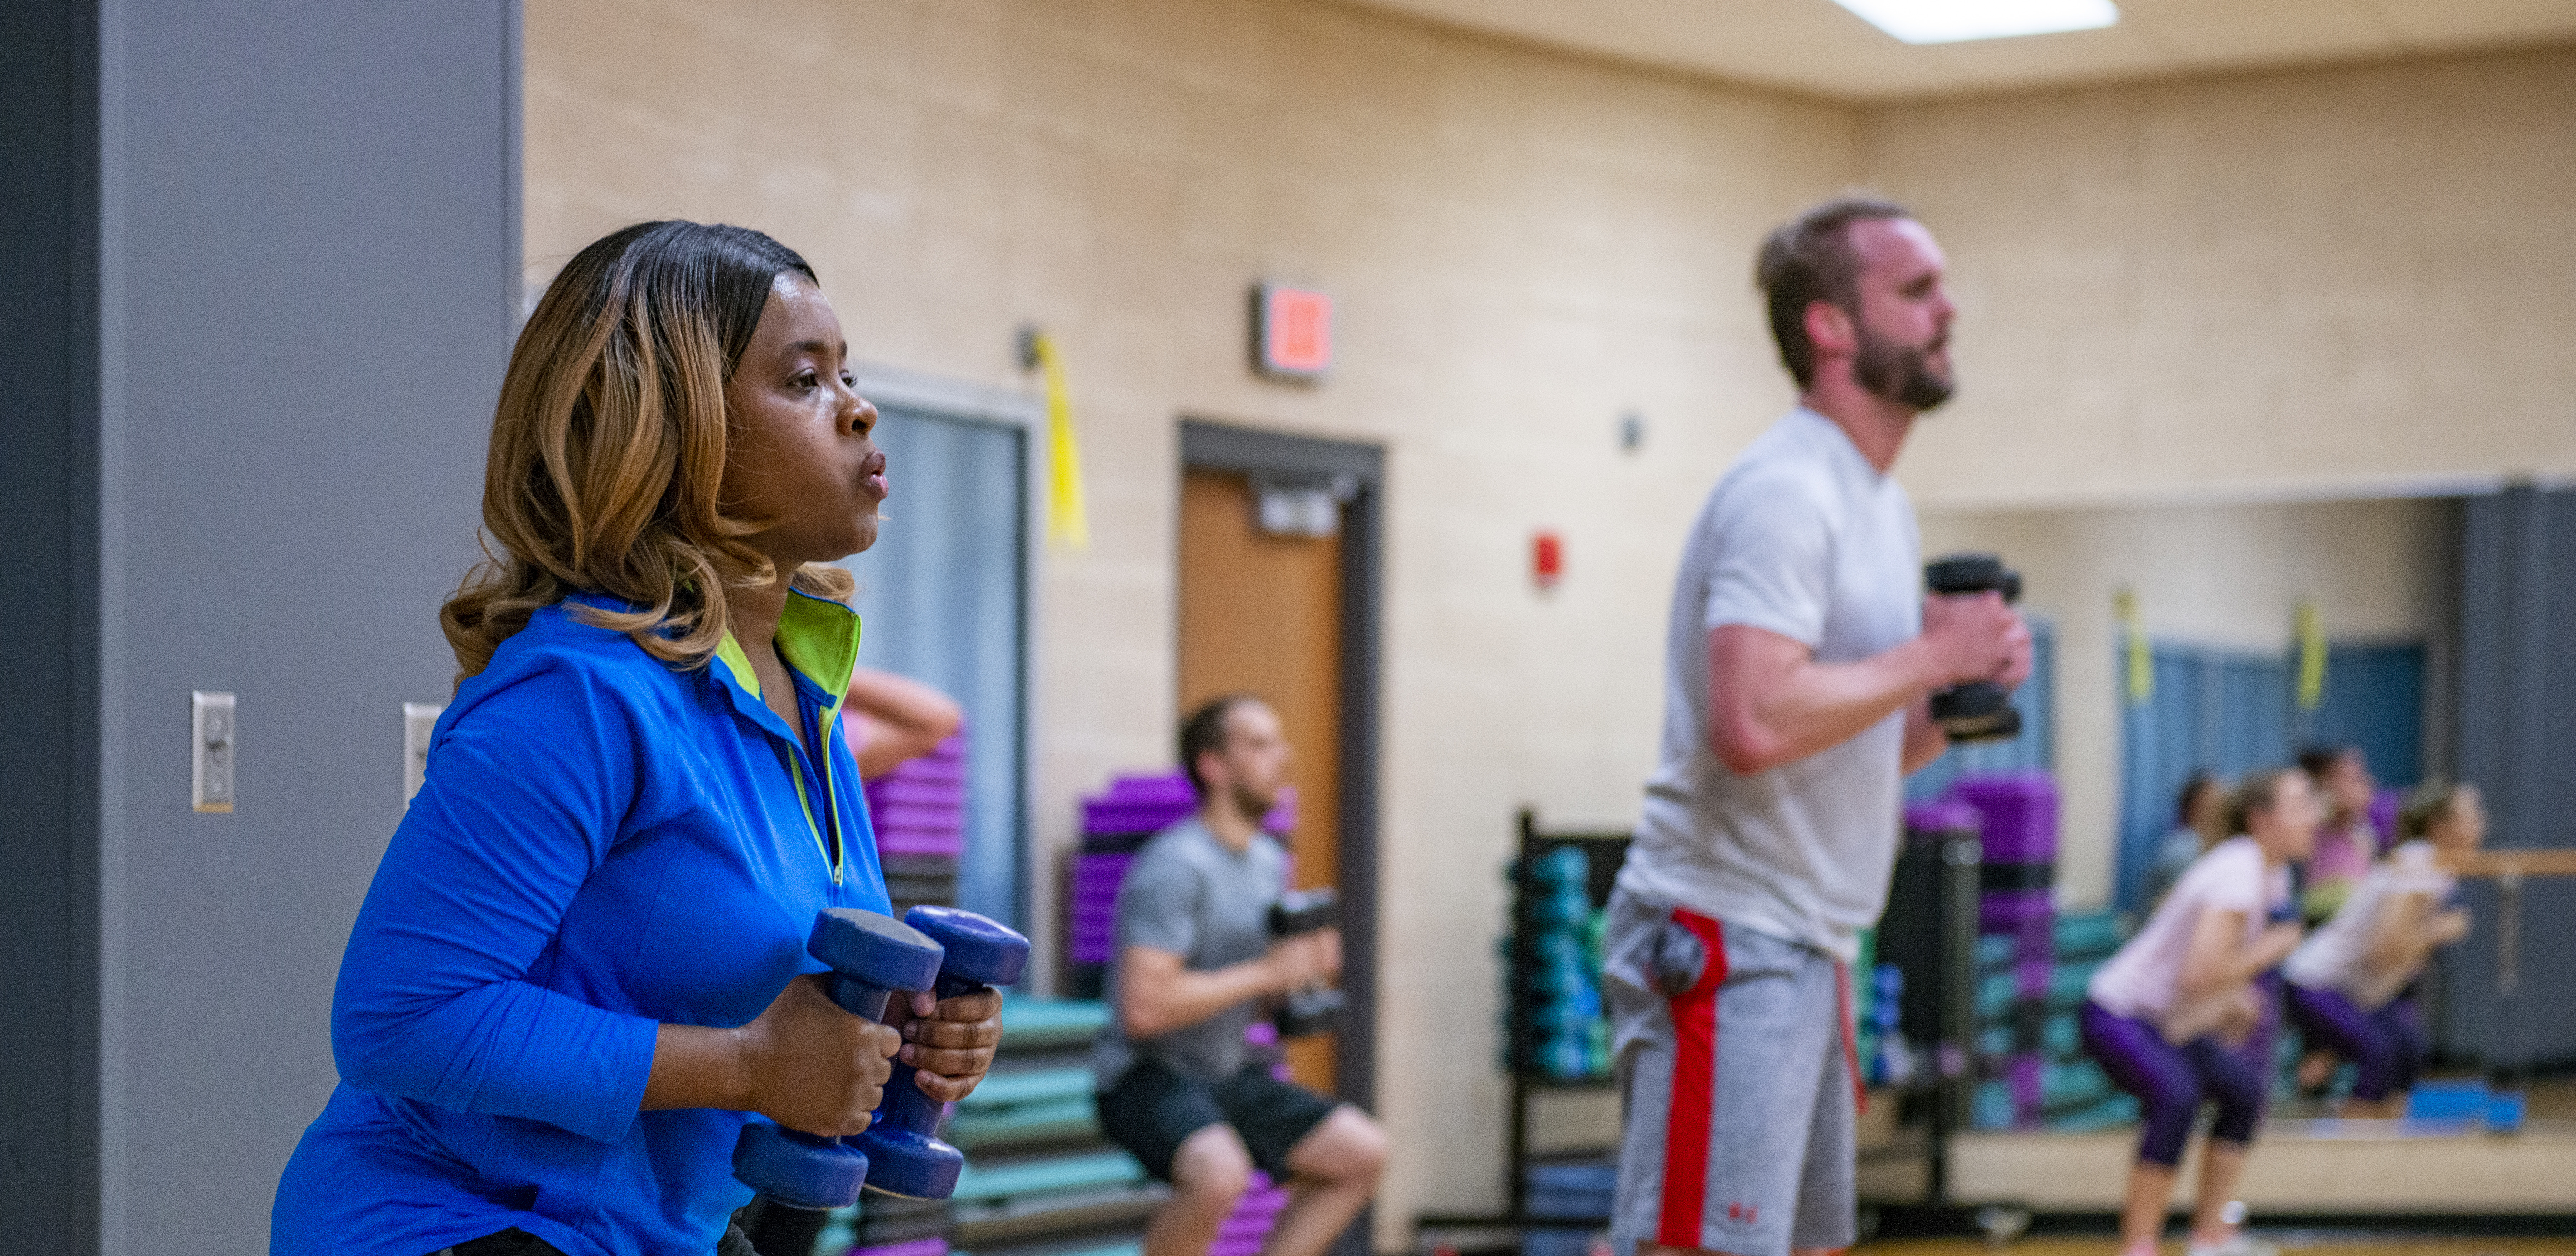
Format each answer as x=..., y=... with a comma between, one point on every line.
x=1894, y=373
x=1253, y=802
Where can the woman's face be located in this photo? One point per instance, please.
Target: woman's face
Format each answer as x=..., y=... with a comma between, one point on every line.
x=799, y=460
x=2351, y=784
x=2288, y=828
x=2463, y=824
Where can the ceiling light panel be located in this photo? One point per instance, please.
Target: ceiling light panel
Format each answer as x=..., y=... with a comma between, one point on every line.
x=1954, y=21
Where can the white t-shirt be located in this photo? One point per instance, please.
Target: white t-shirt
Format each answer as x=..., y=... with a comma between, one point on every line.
x=2143, y=978
x=2332, y=957
x=1804, y=538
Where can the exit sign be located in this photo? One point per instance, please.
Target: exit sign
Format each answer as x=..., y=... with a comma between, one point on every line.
x=1292, y=332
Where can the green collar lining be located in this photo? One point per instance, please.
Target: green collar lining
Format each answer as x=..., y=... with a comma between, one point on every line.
x=816, y=636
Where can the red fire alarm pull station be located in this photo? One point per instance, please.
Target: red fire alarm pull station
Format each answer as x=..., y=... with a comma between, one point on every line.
x=1547, y=559
x=1292, y=332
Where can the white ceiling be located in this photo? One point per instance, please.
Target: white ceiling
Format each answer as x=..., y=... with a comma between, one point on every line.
x=1818, y=47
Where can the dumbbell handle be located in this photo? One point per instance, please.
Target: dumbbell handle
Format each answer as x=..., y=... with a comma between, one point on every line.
x=906, y=1105
x=858, y=998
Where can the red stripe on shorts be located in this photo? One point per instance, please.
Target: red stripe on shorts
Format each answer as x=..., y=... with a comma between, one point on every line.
x=1694, y=1099
x=1851, y=1040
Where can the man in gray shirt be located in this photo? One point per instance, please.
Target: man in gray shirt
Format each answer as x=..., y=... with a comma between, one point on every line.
x=1195, y=963
x=1800, y=654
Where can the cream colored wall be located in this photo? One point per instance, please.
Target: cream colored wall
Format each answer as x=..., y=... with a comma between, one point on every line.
x=1520, y=246
x=2319, y=283
x=2227, y=575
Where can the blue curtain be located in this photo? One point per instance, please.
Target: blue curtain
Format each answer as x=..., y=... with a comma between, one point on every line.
x=944, y=597
x=2212, y=710
x=2034, y=751
x=2374, y=699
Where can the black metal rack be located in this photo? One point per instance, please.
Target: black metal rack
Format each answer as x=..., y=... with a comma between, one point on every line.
x=1930, y=932
x=1604, y=851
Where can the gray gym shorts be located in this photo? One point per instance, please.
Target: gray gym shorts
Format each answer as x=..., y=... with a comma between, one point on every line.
x=1737, y=1086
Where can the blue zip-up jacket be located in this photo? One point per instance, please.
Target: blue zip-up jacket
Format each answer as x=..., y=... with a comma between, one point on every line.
x=602, y=843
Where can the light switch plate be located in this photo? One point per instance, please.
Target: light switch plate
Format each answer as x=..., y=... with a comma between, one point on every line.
x=419, y=719
x=211, y=732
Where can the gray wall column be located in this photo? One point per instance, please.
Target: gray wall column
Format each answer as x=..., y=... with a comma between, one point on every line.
x=260, y=275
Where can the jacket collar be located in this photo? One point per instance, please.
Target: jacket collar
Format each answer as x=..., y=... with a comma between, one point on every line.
x=817, y=638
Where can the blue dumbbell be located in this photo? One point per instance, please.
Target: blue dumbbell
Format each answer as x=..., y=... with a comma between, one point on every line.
x=872, y=957
x=905, y=1156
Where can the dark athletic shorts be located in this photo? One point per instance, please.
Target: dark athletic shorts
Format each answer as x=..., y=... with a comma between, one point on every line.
x=1153, y=1109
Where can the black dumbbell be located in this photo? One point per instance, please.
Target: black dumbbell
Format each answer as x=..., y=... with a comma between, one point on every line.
x=905, y=1156
x=873, y=957
x=1312, y=1009
x=1980, y=710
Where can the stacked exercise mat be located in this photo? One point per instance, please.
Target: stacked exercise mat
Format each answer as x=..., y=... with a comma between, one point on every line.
x=2075, y=1092
x=919, y=810
x=1553, y=1026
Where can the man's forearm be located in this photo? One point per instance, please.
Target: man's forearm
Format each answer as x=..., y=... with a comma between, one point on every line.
x=1924, y=739
x=1179, y=999
x=1797, y=706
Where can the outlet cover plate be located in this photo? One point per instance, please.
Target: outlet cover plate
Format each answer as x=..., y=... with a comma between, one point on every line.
x=212, y=733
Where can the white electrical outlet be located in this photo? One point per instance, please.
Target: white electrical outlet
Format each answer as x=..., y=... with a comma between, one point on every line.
x=210, y=773
x=419, y=720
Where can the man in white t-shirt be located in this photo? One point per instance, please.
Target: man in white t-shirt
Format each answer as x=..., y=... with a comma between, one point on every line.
x=1801, y=654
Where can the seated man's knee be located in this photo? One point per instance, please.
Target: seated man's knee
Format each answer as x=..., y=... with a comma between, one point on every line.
x=1212, y=1168
x=1348, y=1146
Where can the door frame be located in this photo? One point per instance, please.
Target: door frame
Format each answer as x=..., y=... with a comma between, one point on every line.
x=1210, y=446
x=963, y=401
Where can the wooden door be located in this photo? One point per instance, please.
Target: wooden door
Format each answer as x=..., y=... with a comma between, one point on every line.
x=1262, y=614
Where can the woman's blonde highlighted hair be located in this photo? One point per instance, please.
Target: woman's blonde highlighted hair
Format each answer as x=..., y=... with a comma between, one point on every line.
x=609, y=444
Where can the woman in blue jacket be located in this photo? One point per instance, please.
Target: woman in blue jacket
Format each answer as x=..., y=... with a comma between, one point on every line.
x=577, y=973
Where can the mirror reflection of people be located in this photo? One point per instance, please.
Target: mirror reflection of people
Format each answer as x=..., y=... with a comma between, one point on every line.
x=894, y=719
x=2173, y=1016
x=2201, y=813
x=2347, y=982
x=581, y=968
x=2347, y=842
x=1195, y=964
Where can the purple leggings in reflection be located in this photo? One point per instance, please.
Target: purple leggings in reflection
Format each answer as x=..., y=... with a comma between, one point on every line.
x=2170, y=1082
x=2386, y=1046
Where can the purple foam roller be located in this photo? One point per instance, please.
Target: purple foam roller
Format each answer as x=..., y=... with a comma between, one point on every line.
x=2020, y=813
x=1939, y=816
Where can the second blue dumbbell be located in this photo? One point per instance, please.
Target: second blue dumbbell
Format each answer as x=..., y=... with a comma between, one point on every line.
x=905, y=1155
x=873, y=958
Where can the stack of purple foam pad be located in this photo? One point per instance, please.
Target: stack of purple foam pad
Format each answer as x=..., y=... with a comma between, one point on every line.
x=1248, y=1226
x=933, y=1246
x=919, y=810
x=2018, y=879
x=1115, y=824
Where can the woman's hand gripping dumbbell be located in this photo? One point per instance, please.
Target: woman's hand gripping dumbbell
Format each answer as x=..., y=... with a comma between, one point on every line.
x=875, y=960
x=872, y=959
